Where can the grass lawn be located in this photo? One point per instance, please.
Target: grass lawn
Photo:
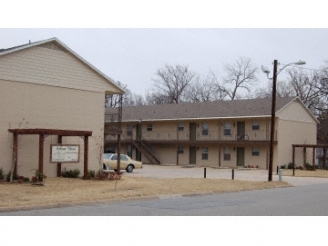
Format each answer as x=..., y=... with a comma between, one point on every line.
x=69, y=191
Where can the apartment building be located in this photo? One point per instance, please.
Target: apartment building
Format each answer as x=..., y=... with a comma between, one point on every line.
x=217, y=134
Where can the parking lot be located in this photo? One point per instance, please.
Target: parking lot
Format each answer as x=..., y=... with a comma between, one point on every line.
x=156, y=171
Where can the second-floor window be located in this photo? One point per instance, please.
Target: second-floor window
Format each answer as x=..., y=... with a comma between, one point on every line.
x=149, y=127
x=181, y=127
x=204, y=129
x=227, y=129
x=256, y=125
x=129, y=130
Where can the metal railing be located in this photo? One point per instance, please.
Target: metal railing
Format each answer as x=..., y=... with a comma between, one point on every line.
x=253, y=135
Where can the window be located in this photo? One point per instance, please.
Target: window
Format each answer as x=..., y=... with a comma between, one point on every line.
x=226, y=155
x=123, y=158
x=149, y=127
x=205, y=153
x=256, y=125
x=180, y=150
x=181, y=127
x=255, y=152
x=129, y=130
x=227, y=128
x=205, y=129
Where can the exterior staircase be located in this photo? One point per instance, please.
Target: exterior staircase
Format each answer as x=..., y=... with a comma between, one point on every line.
x=145, y=149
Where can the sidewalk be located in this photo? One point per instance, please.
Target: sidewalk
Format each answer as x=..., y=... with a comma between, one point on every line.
x=155, y=171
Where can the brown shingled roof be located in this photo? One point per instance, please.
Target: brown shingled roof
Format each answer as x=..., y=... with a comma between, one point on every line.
x=217, y=109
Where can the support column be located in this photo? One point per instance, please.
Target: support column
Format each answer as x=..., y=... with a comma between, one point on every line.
x=304, y=156
x=293, y=161
x=86, y=149
x=41, y=148
x=60, y=141
x=313, y=156
x=15, y=150
x=324, y=158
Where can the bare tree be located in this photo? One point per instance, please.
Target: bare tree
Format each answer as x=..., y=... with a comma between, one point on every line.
x=204, y=90
x=129, y=98
x=307, y=86
x=239, y=76
x=171, y=84
x=284, y=89
x=112, y=101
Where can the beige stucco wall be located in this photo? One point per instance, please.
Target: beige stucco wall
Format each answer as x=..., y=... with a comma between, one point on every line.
x=295, y=126
x=27, y=105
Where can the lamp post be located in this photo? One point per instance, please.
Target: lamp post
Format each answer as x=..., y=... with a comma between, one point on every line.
x=273, y=106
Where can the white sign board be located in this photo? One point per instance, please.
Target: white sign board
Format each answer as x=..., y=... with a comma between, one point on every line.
x=64, y=153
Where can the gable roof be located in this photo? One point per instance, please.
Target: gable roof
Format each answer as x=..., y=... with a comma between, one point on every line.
x=249, y=108
x=66, y=48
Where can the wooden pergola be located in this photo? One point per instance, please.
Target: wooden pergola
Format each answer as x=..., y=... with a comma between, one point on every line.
x=314, y=147
x=45, y=132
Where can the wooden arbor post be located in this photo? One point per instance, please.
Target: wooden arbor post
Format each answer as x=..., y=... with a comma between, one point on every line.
x=86, y=156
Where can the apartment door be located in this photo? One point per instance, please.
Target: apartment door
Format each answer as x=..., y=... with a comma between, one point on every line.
x=240, y=130
x=192, y=155
x=192, y=131
x=240, y=157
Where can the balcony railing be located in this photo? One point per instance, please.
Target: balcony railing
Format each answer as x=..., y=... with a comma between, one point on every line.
x=254, y=135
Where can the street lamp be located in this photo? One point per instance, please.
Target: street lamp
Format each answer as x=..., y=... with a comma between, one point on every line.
x=273, y=105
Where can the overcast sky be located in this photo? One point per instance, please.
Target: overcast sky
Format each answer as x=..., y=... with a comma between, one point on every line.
x=132, y=55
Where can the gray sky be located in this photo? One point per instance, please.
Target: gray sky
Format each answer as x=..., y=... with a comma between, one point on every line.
x=132, y=55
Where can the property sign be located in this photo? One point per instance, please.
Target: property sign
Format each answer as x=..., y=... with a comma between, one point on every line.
x=64, y=153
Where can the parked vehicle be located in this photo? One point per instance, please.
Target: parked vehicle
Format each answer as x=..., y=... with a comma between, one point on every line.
x=110, y=162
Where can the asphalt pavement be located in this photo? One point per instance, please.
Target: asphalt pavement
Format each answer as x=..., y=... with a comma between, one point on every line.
x=156, y=171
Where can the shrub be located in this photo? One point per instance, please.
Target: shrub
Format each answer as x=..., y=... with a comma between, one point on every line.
x=290, y=165
x=309, y=167
x=15, y=177
x=102, y=175
x=71, y=173
x=283, y=167
x=2, y=176
x=91, y=174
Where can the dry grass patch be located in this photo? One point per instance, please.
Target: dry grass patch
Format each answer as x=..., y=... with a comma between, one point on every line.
x=305, y=173
x=64, y=191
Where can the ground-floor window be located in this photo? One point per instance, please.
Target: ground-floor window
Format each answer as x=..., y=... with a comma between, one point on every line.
x=205, y=153
x=255, y=152
x=180, y=150
x=226, y=155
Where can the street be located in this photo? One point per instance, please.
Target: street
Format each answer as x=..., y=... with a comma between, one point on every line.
x=310, y=200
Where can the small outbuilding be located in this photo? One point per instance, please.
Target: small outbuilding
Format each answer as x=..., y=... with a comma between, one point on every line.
x=52, y=110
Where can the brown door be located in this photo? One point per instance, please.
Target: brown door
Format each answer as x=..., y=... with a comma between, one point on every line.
x=240, y=157
x=240, y=130
x=192, y=155
x=192, y=131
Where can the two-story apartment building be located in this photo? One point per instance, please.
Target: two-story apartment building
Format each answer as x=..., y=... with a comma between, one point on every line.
x=222, y=133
